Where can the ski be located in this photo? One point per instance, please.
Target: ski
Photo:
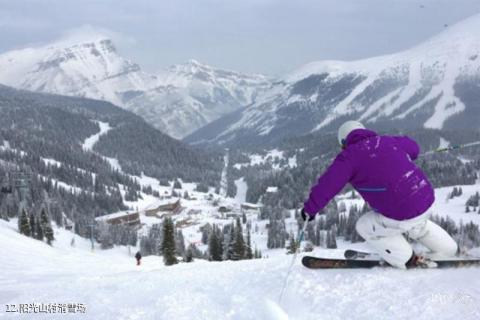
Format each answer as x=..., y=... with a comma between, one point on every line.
x=329, y=263
x=366, y=263
x=355, y=254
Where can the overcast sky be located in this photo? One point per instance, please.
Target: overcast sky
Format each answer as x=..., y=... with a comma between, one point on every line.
x=262, y=36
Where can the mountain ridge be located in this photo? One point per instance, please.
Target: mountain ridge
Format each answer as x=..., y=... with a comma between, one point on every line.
x=432, y=85
x=177, y=100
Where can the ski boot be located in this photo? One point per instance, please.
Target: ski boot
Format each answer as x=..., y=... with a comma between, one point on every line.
x=423, y=262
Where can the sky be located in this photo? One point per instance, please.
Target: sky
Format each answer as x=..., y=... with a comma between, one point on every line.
x=272, y=37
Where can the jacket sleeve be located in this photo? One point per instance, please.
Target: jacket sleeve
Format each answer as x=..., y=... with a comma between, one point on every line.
x=329, y=184
x=409, y=146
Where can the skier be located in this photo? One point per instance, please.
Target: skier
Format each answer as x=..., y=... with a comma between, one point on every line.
x=138, y=256
x=381, y=169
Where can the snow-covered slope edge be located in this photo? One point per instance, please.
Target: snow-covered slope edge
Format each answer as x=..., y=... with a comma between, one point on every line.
x=433, y=85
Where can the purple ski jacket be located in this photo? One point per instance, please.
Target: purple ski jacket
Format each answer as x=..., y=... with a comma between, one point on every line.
x=380, y=168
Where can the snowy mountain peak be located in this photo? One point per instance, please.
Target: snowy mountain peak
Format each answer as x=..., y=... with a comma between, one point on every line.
x=191, y=69
x=177, y=101
x=434, y=85
x=90, y=68
x=195, y=64
x=458, y=43
x=456, y=34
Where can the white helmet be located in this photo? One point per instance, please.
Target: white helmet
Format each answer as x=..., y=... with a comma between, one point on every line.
x=346, y=128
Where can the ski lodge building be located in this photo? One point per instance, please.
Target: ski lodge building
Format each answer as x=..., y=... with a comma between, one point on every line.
x=157, y=210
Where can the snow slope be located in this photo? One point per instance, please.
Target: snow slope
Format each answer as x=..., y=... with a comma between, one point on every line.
x=90, y=141
x=191, y=95
x=275, y=158
x=111, y=287
x=434, y=85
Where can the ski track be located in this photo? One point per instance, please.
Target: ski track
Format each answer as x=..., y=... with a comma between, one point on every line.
x=242, y=188
x=112, y=287
x=90, y=141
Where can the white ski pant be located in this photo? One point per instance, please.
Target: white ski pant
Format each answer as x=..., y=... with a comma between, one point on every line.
x=387, y=237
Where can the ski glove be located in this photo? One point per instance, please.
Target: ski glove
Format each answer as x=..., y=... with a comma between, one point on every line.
x=306, y=216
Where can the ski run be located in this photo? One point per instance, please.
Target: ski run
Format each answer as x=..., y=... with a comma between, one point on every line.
x=111, y=286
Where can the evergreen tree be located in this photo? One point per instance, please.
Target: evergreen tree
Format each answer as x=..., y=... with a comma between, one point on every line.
x=189, y=254
x=322, y=238
x=24, y=223
x=249, y=253
x=292, y=247
x=196, y=253
x=259, y=254
x=277, y=234
x=33, y=226
x=206, y=230
x=168, y=243
x=229, y=243
x=46, y=226
x=38, y=230
x=331, y=239
x=239, y=242
x=308, y=247
x=177, y=185
x=214, y=246
x=180, y=243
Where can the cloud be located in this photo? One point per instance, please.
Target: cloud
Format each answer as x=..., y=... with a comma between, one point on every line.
x=88, y=33
x=17, y=23
x=269, y=36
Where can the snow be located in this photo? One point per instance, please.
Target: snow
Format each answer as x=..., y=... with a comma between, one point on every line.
x=426, y=73
x=448, y=54
x=52, y=162
x=443, y=207
x=177, y=100
x=443, y=143
x=242, y=188
x=272, y=189
x=269, y=157
x=6, y=147
x=114, y=163
x=93, y=139
x=111, y=286
x=455, y=208
x=63, y=185
x=90, y=141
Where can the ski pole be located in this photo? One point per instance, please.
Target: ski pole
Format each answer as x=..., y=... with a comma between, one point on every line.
x=450, y=148
x=299, y=241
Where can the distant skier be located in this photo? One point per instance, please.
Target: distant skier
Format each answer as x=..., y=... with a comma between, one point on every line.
x=138, y=256
x=381, y=169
